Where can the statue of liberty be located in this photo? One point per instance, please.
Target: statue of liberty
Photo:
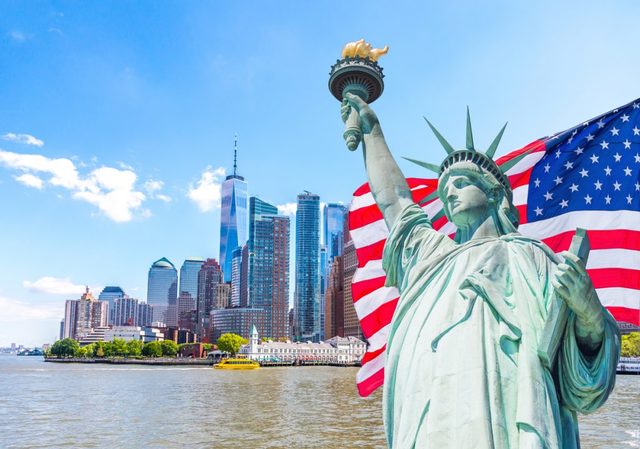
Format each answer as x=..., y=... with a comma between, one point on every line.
x=462, y=367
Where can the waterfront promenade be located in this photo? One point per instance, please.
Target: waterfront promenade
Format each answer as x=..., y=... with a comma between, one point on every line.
x=77, y=406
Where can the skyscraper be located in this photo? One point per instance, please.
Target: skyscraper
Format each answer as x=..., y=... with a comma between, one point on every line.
x=236, y=276
x=233, y=217
x=125, y=312
x=162, y=288
x=334, y=217
x=110, y=294
x=269, y=268
x=307, y=293
x=189, y=276
x=209, y=277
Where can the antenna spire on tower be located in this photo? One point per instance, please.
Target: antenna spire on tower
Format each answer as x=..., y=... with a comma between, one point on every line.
x=235, y=156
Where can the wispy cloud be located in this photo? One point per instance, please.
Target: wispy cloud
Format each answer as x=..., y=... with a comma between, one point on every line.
x=18, y=36
x=153, y=187
x=54, y=286
x=30, y=180
x=111, y=190
x=25, y=139
x=206, y=191
x=17, y=310
x=287, y=209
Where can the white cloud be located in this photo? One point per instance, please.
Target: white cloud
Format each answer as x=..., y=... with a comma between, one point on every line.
x=206, y=192
x=16, y=310
x=18, y=36
x=30, y=181
x=287, y=209
x=26, y=139
x=54, y=286
x=111, y=190
x=153, y=186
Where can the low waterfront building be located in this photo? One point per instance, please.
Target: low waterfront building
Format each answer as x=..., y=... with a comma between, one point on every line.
x=336, y=350
x=129, y=333
x=94, y=336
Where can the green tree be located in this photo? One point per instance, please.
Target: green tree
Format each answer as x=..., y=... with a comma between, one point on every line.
x=169, y=348
x=89, y=350
x=67, y=347
x=134, y=348
x=630, y=345
x=231, y=343
x=119, y=347
x=152, y=349
x=99, y=349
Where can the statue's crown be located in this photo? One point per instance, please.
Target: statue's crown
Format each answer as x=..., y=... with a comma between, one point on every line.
x=469, y=154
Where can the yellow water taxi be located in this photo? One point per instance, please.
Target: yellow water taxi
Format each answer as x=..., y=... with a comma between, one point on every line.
x=237, y=364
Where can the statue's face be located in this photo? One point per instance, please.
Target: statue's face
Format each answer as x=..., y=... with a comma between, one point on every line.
x=466, y=201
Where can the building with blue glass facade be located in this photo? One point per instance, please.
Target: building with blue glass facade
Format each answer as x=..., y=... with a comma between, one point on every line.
x=110, y=294
x=233, y=219
x=307, y=285
x=162, y=289
x=189, y=276
x=334, y=219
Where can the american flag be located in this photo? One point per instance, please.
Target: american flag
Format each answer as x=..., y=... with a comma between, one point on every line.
x=587, y=176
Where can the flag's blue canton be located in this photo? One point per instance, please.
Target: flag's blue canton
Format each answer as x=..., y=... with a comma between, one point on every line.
x=594, y=166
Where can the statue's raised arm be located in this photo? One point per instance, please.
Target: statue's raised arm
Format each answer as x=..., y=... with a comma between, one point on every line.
x=388, y=185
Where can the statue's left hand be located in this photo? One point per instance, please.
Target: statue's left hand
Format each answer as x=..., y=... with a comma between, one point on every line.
x=573, y=285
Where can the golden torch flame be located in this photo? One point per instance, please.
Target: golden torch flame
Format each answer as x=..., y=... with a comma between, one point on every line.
x=363, y=50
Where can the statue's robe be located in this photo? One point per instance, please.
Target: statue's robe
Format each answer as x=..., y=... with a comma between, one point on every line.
x=462, y=368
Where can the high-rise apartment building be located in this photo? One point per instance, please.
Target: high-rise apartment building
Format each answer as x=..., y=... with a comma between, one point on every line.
x=125, y=312
x=233, y=217
x=236, y=276
x=307, y=291
x=145, y=314
x=70, y=318
x=209, y=277
x=269, y=272
x=334, y=300
x=186, y=309
x=162, y=289
x=90, y=314
x=110, y=294
x=350, y=264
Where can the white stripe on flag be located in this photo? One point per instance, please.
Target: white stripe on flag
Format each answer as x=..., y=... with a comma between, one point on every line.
x=619, y=297
x=597, y=220
x=379, y=339
x=358, y=202
x=520, y=195
x=369, y=234
x=614, y=258
x=525, y=163
x=373, y=269
x=369, y=303
x=371, y=367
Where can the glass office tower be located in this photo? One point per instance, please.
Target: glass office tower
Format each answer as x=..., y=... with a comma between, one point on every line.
x=307, y=292
x=162, y=288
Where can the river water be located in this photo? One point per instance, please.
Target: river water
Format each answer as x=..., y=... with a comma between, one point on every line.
x=51, y=405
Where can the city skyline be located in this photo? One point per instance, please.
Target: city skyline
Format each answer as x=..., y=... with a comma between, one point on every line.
x=118, y=120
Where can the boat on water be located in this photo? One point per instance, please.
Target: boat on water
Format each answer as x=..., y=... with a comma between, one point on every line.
x=237, y=364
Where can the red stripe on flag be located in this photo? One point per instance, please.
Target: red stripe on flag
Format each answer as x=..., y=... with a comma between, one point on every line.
x=615, y=277
x=364, y=216
x=370, y=252
x=533, y=147
x=379, y=318
x=370, y=355
x=625, y=314
x=522, y=213
x=359, y=289
x=371, y=383
x=619, y=238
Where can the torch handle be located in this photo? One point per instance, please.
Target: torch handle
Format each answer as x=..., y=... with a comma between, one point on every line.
x=352, y=133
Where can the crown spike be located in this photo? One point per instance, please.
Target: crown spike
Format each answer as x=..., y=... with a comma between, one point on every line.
x=469, y=133
x=431, y=167
x=494, y=145
x=432, y=196
x=446, y=145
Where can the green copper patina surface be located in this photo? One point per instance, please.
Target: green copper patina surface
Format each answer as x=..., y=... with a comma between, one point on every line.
x=462, y=367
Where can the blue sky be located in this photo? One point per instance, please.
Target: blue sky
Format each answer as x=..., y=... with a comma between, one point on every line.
x=117, y=119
